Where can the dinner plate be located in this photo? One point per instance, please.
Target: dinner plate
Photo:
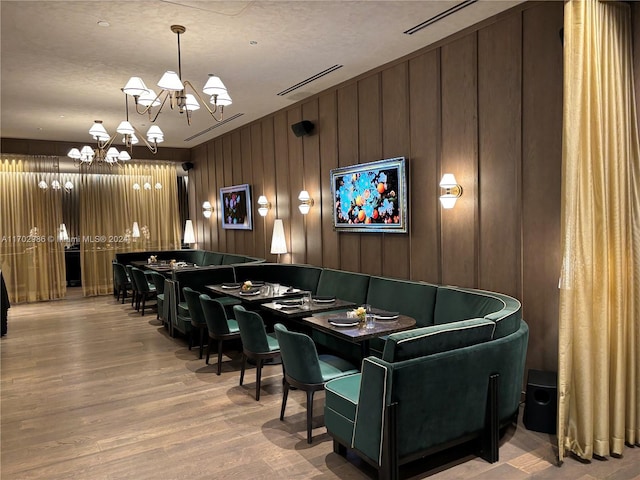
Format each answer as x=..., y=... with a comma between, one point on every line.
x=339, y=323
x=250, y=292
x=231, y=285
x=286, y=306
x=320, y=299
x=383, y=317
x=257, y=283
x=291, y=303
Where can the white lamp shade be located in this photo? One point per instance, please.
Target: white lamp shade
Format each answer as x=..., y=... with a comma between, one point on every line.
x=124, y=156
x=304, y=208
x=147, y=186
x=136, y=230
x=262, y=200
x=304, y=196
x=125, y=128
x=223, y=99
x=278, y=240
x=214, y=86
x=86, y=154
x=135, y=87
x=68, y=185
x=112, y=155
x=136, y=186
x=190, y=102
x=154, y=134
x=448, y=181
x=170, y=81
x=448, y=200
x=64, y=235
x=189, y=234
x=158, y=186
x=133, y=139
x=149, y=99
x=74, y=153
x=98, y=132
x=55, y=185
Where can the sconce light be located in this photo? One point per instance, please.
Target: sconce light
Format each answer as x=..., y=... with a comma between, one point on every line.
x=265, y=205
x=453, y=190
x=207, y=209
x=63, y=235
x=136, y=230
x=306, y=202
x=189, y=234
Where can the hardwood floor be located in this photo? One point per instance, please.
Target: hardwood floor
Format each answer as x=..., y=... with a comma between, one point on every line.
x=92, y=390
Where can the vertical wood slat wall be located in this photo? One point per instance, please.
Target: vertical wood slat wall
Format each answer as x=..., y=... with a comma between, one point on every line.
x=485, y=106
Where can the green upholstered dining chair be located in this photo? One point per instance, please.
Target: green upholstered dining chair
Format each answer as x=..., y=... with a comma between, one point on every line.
x=305, y=370
x=198, y=322
x=256, y=344
x=134, y=289
x=158, y=281
x=122, y=281
x=220, y=327
x=146, y=290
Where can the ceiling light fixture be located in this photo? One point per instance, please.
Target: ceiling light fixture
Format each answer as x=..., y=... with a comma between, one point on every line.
x=174, y=89
x=105, y=152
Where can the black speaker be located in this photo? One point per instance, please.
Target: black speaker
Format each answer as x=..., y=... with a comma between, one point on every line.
x=187, y=166
x=541, y=403
x=304, y=127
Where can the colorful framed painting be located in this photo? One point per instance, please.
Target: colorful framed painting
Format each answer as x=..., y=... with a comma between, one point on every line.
x=235, y=204
x=370, y=197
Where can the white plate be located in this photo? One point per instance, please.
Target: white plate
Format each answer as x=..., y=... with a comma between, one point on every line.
x=250, y=293
x=340, y=324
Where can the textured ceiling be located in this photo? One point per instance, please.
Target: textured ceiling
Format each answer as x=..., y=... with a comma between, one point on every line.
x=60, y=70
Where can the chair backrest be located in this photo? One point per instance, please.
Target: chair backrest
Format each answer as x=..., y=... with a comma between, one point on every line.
x=299, y=355
x=158, y=281
x=192, y=298
x=252, y=330
x=215, y=315
x=120, y=274
x=140, y=279
x=129, y=269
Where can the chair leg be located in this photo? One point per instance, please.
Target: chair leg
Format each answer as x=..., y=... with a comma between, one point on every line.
x=144, y=301
x=285, y=394
x=201, y=342
x=206, y=361
x=219, y=356
x=244, y=364
x=258, y=376
x=309, y=414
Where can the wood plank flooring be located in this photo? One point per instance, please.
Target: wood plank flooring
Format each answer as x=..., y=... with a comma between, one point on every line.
x=92, y=390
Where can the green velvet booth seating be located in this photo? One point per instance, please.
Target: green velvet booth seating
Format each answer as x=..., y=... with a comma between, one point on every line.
x=457, y=379
x=304, y=277
x=197, y=257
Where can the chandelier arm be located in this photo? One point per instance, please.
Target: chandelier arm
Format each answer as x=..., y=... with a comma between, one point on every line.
x=148, y=108
x=159, y=109
x=153, y=148
x=211, y=112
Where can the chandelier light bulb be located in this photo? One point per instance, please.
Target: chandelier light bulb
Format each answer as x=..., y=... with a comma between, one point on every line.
x=154, y=134
x=124, y=156
x=74, y=153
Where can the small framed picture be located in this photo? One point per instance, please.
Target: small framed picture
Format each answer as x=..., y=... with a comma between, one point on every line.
x=236, y=207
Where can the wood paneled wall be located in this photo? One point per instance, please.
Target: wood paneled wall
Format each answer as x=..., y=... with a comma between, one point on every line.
x=485, y=105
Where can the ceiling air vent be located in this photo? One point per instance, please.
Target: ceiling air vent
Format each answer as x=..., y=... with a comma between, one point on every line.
x=219, y=124
x=440, y=16
x=309, y=80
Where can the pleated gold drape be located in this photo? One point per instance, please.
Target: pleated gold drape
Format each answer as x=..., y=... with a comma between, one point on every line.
x=109, y=205
x=31, y=255
x=599, y=323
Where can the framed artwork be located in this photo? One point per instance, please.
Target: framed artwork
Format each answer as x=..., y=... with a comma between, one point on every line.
x=236, y=207
x=370, y=197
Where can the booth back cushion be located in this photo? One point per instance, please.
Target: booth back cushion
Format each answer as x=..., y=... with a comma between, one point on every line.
x=213, y=258
x=197, y=278
x=454, y=304
x=344, y=285
x=437, y=338
x=415, y=299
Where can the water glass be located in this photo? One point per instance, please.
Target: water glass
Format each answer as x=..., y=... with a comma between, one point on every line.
x=369, y=319
x=306, y=301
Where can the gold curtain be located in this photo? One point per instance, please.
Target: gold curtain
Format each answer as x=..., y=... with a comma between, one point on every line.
x=599, y=323
x=109, y=206
x=31, y=254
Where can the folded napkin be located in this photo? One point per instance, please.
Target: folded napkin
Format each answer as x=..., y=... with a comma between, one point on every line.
x=231, y=285
x=384, y=314
x=322, y=298
x=251, y=291
x=343, y=321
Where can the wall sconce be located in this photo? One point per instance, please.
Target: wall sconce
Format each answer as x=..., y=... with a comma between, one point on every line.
x=306, y=202
x=265, y=205
x=135, y=233
x=278, y=240
x=189, y=234
x=453, y=190
x=207, y=209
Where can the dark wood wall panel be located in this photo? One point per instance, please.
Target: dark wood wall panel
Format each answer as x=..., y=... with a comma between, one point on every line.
x=541, y=177
x=460, y=157
x=327, y=117
x=424, y=216
x=311, y=177
x=499, y=124
x=348, y=155
x=210, y=195
x=370, y=149
x=485, y=106
x=395, y=141
x=199, y=177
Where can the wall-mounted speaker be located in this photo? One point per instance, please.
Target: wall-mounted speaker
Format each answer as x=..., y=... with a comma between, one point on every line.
x=302, y=128
x=187, y=166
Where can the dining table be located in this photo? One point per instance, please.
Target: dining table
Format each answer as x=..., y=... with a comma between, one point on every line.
x=258, y=293
x=354, y=331
x=292, y=308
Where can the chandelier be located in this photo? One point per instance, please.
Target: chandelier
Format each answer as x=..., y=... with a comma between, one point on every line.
x=174, y=91
x=105, y=153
